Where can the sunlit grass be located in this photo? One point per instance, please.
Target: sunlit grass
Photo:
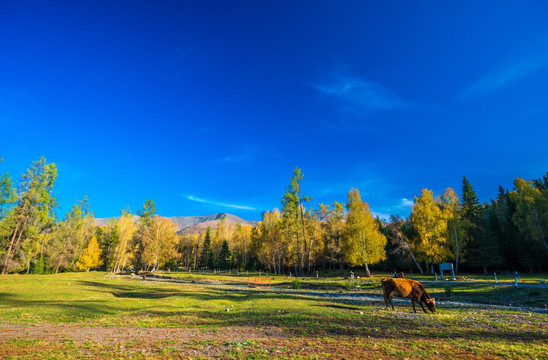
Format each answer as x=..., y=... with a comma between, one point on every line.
x=312, y=326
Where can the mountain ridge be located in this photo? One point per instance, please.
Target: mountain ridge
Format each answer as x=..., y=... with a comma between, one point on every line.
x=190, y=224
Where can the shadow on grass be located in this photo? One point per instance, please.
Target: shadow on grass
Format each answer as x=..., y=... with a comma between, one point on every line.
x=298, y=315
x=340, y=307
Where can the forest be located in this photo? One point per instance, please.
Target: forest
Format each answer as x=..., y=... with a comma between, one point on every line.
x=507, y=233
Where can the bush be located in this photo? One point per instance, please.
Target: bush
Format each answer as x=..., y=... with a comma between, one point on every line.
x=296, y=284
x=448, y=290
x=349, y=284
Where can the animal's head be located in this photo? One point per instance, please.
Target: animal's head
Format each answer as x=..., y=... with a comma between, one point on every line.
x=431, y=303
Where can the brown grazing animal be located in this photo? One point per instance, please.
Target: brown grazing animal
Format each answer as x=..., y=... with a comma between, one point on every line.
x=407, y=288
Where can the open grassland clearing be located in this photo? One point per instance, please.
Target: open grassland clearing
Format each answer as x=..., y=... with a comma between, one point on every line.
x=97, y=316
x=471, y=289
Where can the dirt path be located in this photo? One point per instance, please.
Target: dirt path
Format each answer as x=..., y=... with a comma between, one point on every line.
x=120, y=334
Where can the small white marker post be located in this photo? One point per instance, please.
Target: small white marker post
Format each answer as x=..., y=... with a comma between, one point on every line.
x=496, y=281
x=516, y=279
x=436, y=276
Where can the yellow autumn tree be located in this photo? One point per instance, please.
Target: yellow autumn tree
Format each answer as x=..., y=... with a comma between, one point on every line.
x=91, y=257
x=241, y=241
x=363, y=243
x=431, y=225
x=125, y=230
x=160, y=243
x=451, y=209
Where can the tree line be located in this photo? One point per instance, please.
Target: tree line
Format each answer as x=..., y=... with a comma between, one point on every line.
x=506, y=233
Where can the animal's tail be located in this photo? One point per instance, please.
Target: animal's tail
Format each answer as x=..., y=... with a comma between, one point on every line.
x=384, y=288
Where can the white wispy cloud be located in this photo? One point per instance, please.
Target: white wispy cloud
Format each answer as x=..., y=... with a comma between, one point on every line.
x=216, y=203
x=506, y=75
x=406, y=203
x=357, y=94
x=242, y=154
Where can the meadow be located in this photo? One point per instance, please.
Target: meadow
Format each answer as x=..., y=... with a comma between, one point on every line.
x=100, y=316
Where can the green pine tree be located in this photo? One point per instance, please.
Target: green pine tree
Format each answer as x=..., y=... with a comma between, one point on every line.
x=477, y=220
x=471, y=206
x=225, y=257
x=205, y=255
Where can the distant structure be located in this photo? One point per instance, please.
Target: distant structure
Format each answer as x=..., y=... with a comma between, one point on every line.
x=447, y=267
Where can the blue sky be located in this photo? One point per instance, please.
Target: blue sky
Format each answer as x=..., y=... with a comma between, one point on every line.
x=207, y=106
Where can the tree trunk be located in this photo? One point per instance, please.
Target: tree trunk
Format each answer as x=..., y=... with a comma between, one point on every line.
x=13, y=243
x=541, y=232
x=457, y=244
x=367, y=272
x=416, y=263
x=306, y=247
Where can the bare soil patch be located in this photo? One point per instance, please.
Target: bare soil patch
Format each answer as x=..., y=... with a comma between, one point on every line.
x=81, y=334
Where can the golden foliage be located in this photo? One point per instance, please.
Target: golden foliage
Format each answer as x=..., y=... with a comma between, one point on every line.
x=363, y=243
x=91, y=257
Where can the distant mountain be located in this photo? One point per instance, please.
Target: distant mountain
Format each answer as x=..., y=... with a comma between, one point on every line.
x=193, y=224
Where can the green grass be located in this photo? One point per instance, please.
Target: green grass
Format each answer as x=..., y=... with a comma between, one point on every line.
x=477, y=291
x=147, y=319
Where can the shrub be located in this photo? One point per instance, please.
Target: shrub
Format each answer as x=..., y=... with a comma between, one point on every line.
x=349, y=284
x=296, y=284
x=448, y=290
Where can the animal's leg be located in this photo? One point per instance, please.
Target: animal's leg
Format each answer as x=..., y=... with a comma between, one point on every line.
x=386, y=301
x=413, y=302
x=420, y=302
x=392, y=303
x=387, y=297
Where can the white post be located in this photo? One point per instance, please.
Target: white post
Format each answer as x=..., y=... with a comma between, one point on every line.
x=496, y=281
x=516, y=279
x=436, y=276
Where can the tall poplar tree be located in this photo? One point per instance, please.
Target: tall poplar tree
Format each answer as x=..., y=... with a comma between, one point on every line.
x=125, y=230
x=332, y=221
x=431, y=226
x=34, y=208
x=531, y=214
x=294, y=214
x=143, y=230
x=451, y=210
x=363, y=243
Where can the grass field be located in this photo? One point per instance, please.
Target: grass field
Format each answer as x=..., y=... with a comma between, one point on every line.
x=94, y=315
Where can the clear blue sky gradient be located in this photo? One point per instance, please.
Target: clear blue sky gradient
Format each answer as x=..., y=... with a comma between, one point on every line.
x=207, y=106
